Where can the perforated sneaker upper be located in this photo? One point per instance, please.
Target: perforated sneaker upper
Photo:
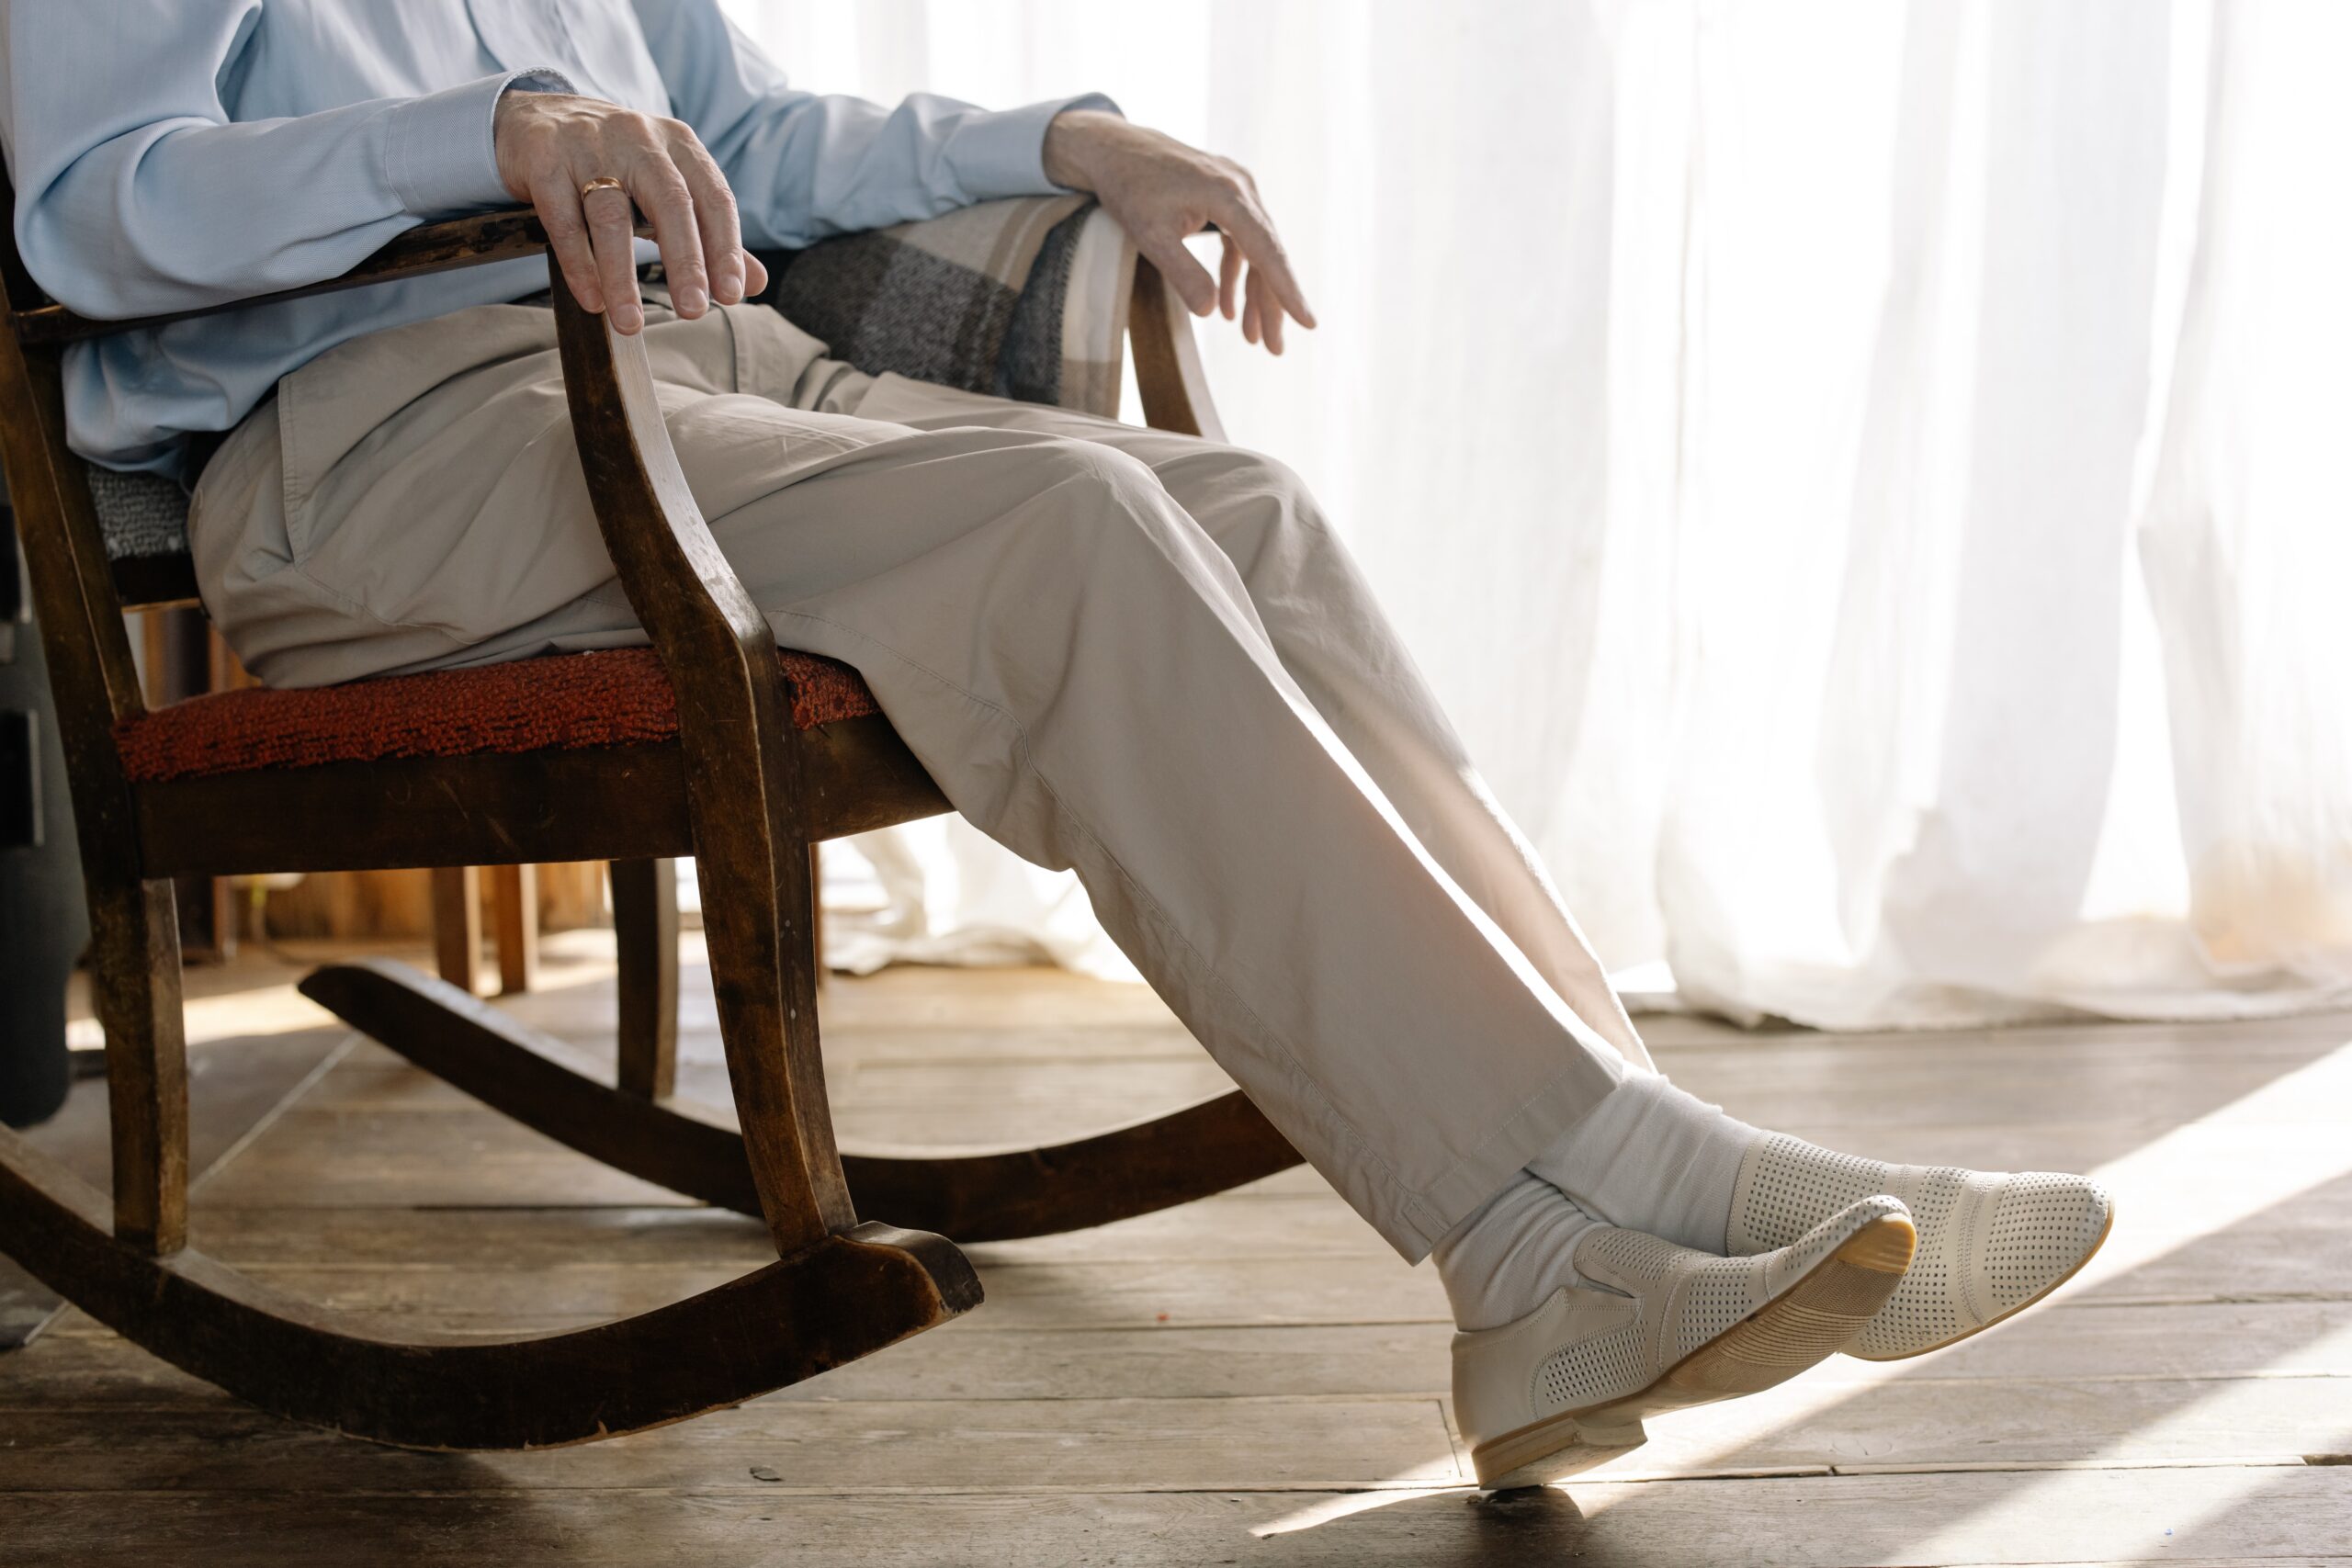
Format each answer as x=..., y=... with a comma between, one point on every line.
x=1643, y=1305
x=1586, y=1371
x=1688, y=1297
x=1988, y=1242
x=2044, y=1226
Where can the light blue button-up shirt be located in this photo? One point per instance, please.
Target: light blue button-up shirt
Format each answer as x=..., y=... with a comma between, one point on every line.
x=174, y=153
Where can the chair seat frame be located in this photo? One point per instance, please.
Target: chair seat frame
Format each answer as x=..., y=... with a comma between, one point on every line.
x=741, y=789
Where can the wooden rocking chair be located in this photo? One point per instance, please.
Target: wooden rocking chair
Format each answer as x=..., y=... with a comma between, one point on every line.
x=760, y=755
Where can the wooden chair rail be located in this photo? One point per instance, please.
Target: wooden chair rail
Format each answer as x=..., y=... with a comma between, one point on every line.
x=608, y=803
x=475, y=240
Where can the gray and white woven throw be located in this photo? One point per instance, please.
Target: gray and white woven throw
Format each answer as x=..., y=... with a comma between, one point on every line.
x=1024, y=298
x=999, y=298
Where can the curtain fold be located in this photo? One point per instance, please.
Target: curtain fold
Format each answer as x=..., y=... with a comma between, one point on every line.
x=1870, y=479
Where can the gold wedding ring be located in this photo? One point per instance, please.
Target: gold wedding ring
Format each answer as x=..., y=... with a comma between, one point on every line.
x=601, y=181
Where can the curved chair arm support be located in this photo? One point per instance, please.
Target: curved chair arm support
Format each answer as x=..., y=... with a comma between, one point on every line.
x=1169, y=378
x=743, y=769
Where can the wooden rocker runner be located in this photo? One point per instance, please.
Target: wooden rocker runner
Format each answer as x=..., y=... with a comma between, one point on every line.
x=758, y=756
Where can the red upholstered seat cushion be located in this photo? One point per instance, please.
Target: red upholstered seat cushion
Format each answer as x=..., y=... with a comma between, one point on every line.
x=566, y=702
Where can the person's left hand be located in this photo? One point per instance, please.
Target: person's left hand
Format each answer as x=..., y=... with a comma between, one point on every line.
x=1161, y=191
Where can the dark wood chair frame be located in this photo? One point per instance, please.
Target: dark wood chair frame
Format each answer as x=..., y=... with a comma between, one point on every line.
x=741, y=789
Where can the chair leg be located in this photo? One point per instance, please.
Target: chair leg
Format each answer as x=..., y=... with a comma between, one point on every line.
x=135, y=985
x=457, y=924
x=514, y=905
x=645, y=934
x=756, y=903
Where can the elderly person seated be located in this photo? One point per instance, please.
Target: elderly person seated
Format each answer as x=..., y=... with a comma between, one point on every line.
x=1142, y=654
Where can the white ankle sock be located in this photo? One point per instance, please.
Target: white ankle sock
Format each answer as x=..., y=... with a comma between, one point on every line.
x=1652, y=1159
x=1504, y=1260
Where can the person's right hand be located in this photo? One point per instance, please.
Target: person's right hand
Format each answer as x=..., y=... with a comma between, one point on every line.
x=550, y=144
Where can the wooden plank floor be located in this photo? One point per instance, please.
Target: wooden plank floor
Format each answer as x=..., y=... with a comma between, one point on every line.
x=1253, y=1379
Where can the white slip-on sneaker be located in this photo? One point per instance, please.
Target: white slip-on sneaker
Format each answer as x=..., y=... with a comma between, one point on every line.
x=1662, y=1327
x=1990, y=1244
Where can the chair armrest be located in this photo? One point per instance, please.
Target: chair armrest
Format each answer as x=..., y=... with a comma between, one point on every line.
x=472, y=241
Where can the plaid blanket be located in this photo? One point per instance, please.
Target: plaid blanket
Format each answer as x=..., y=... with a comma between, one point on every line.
x=1026, y=297
x=1007, y=297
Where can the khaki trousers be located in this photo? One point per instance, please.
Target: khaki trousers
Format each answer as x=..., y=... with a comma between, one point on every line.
x=1140, y=655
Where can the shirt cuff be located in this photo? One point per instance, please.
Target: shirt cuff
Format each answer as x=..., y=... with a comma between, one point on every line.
x=440, y=151
x=1003, y=152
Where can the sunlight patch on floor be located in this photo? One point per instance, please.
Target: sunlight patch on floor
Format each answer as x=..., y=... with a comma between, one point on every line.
x=1380, y=1495
x=2234, y=1401
x=2288, y=1139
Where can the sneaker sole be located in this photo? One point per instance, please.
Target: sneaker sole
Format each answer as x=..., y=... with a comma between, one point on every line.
x=1823, y=1310
x=2035, y=1300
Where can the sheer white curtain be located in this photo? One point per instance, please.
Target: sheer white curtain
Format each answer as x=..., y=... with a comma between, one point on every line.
x=1873, y=481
